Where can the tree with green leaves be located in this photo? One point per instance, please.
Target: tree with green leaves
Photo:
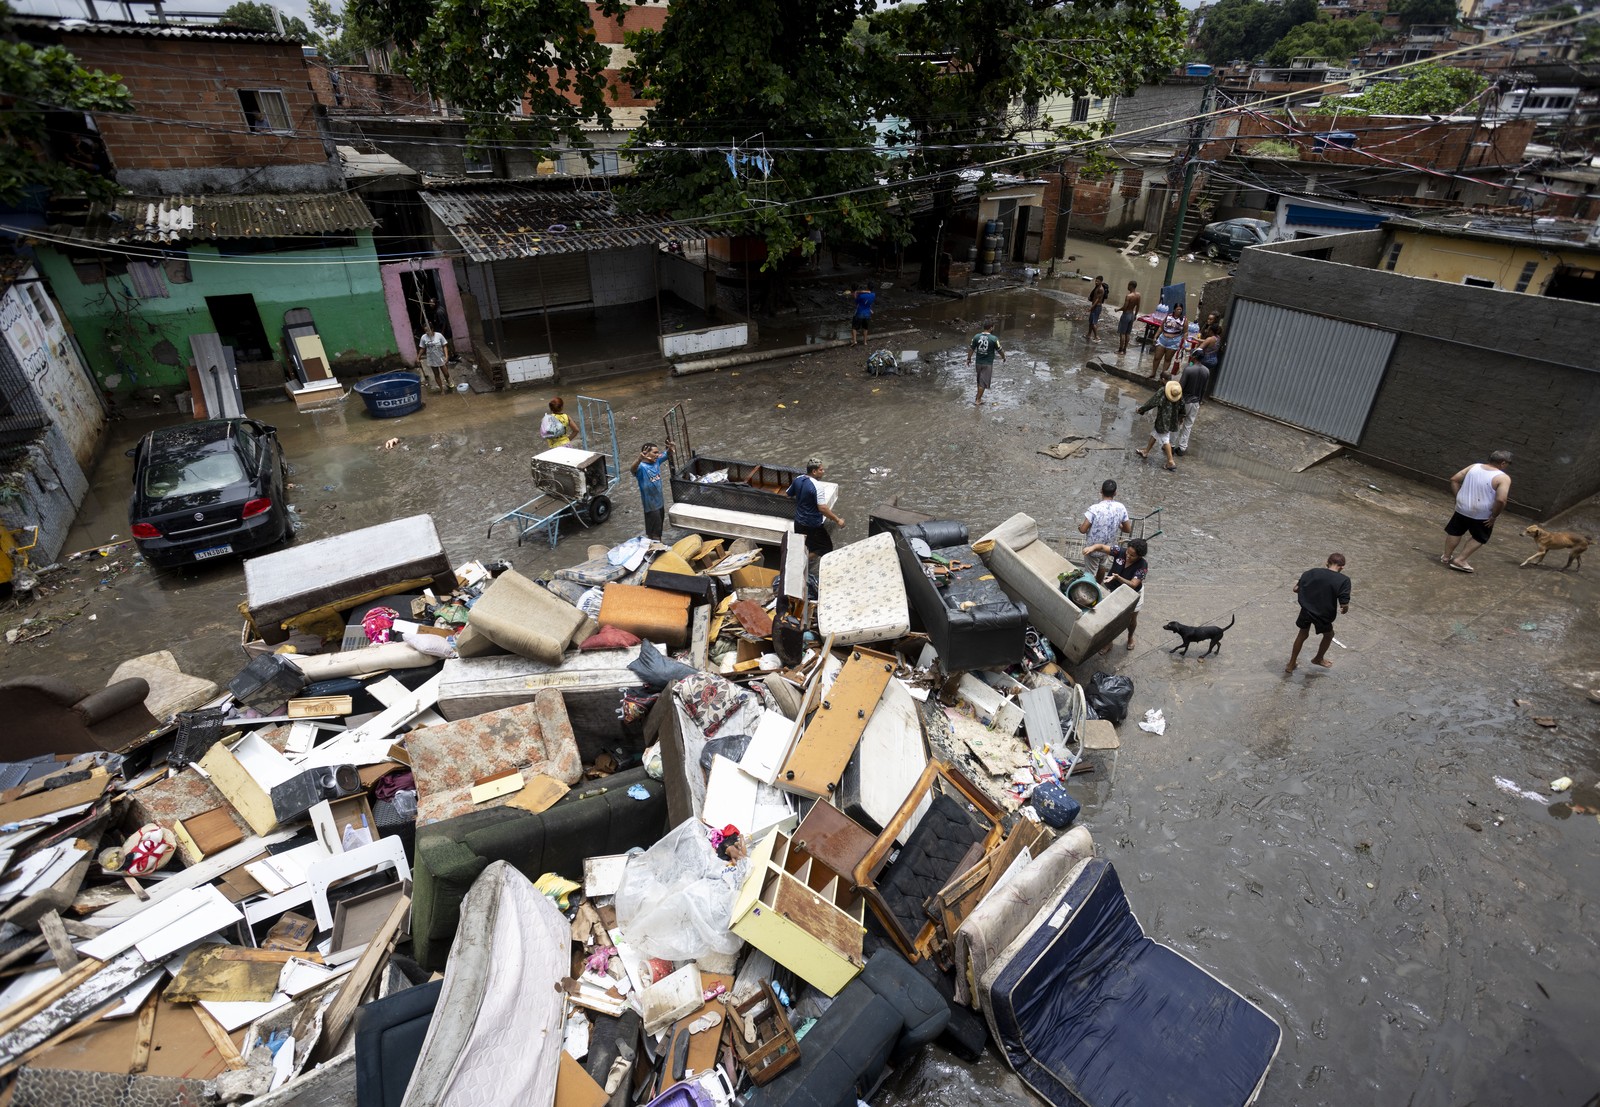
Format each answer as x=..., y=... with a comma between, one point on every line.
x=488, y=58
x=964, y=78
x=1338, y=40
x=1426, y=12
x=38, y=84
x=760, y=124
x=1244, y=30
x=255, y=16
x=1431, y=89
x=342, y=37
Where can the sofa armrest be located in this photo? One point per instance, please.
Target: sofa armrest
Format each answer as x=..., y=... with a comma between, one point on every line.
x=444, y=871
x=99, y=706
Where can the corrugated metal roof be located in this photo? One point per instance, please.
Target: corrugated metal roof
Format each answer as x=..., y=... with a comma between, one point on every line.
x=209, y=32
x=201, y=218
x=497, y=223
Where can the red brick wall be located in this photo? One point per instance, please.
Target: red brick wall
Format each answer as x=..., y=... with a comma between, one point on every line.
x=1409, y=140
x=365, y=91
x=194, y=84
x=607, y=29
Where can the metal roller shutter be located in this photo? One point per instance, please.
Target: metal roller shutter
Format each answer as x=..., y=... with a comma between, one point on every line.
x=565, y=276
x=1314, y=372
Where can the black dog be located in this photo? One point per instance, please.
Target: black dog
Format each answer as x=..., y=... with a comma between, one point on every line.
x=1191, y=635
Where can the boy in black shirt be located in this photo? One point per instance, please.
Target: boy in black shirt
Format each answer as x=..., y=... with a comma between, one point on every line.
x=1320, y=592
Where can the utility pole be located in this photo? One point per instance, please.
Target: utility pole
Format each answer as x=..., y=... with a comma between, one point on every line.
x=1196, y=136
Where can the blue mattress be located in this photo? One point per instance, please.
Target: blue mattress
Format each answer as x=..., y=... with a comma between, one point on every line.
x=1092, y=1013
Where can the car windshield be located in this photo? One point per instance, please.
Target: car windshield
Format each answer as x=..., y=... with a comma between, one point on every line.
x=208, y=472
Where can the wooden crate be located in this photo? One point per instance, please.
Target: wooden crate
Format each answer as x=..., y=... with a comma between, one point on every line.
x=801, y=914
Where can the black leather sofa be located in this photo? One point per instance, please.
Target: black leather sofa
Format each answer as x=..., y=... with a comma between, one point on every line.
x=970, y=621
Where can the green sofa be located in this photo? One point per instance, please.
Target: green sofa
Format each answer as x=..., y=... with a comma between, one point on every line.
x=452, y=852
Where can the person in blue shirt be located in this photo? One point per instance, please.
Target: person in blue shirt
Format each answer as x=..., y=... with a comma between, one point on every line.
x=864, y=298
x=647, y=471
x=811, y=517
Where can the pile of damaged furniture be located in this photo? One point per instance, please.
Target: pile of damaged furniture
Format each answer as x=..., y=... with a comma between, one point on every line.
x=681, y=826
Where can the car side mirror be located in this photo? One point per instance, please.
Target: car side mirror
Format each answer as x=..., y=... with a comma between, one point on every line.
x=130, y=451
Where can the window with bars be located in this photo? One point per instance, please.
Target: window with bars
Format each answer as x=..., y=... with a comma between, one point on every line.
x=265, y=110
x=1080, y=109
x=1394, y=257
x=1526, y=278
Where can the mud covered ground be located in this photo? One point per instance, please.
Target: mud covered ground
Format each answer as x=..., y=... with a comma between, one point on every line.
x=1333, y=843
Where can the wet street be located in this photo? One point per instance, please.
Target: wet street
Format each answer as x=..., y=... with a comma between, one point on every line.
x=1348, y=847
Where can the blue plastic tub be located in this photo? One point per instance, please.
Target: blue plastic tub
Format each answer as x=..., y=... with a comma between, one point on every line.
x=391, y=395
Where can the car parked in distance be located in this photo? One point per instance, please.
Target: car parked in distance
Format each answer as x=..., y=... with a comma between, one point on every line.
x=208, y=489
x=1228, y=238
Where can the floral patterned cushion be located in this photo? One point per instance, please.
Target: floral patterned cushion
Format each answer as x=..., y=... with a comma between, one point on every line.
x=709, y=700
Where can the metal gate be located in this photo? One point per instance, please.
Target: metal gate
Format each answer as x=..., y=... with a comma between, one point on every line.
x=1314, y=372
x=533, y=284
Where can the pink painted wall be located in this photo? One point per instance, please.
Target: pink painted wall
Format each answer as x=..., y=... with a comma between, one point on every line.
x=394, y=295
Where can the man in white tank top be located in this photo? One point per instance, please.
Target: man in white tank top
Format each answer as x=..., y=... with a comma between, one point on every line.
x=1481, y=494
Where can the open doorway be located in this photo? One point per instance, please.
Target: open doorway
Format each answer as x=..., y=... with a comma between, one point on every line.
x=238, y=324
x=425, y=302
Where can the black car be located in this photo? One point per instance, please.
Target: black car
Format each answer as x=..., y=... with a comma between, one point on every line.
x=208, y=489
x=1228, y=238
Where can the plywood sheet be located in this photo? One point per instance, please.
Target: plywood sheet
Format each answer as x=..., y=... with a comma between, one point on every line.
x=819, y=757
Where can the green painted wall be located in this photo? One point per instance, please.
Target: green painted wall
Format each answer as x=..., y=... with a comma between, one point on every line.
x=134, y=342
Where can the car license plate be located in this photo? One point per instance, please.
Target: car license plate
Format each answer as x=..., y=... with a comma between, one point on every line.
x=214, y=551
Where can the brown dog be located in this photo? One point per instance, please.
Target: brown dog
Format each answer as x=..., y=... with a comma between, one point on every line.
x=1549, y=540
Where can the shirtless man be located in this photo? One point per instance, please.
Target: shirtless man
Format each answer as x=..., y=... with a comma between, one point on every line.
x=1130, y=312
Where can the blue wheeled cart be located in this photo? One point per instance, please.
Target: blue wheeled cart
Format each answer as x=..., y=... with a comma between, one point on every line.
x=573, y=481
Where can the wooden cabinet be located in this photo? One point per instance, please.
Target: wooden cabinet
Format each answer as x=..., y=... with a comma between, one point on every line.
x=801, y=914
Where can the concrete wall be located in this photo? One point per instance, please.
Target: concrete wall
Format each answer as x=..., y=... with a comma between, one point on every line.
x=622, y=276
x=1142, y=117
x=134, y=343
x=691, y=283
x=1461, y=382
x=188, y=131
x=48, y=359
x=43, y=486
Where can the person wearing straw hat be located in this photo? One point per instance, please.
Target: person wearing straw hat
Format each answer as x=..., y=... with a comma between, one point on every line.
x=1168, y=402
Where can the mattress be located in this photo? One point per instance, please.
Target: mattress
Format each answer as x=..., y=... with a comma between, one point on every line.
x=1090, y=1011
x=449, y=758
x=860, y=595
x=491, y=1041
x=1000, y=916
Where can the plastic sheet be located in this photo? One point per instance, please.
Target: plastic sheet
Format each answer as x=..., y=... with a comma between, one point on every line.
x=676, y=898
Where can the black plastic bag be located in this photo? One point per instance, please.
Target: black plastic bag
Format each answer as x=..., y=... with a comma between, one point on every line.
x=731, y=746
x=1108, y=696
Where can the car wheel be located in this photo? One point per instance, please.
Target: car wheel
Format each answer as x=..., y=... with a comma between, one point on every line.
x=1212, y=250
x=597, y=510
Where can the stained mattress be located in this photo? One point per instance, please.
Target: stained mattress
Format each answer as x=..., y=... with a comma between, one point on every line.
x=1092, y=1012
x=491, y=1042
x=1000, y=916
x=860, y=594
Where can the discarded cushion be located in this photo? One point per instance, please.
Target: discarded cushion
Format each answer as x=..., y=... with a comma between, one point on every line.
x=709, y=700
x=526, y=618
x=1091, y=1010
x=171, y=689
x=669, y=562
x=860, y=596
x=609, y=638
x=648, y=612
x=449, y=758
x=656, y=669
